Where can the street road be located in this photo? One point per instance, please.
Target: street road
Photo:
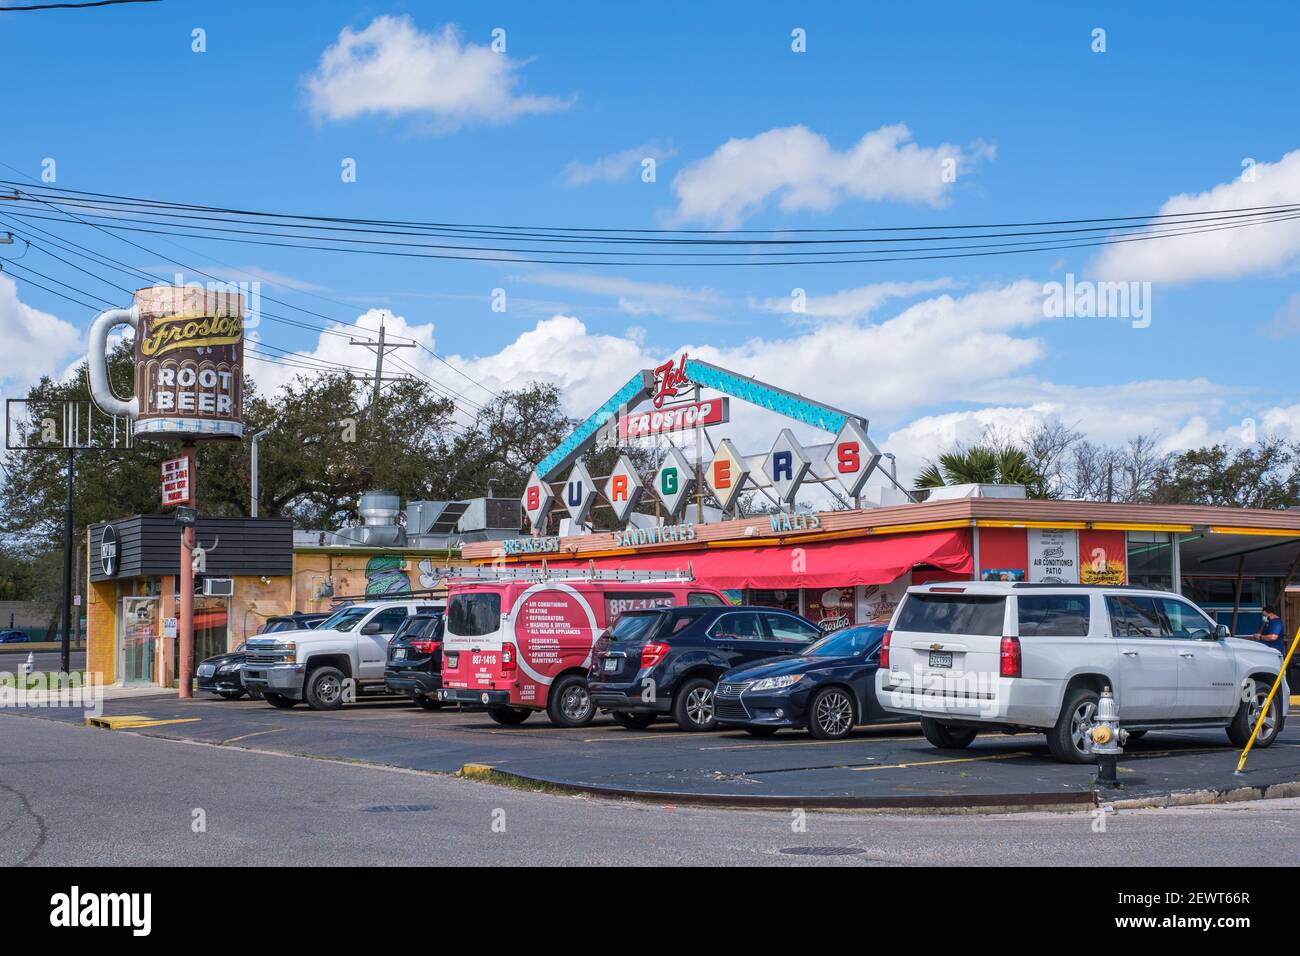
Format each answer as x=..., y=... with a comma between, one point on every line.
x=74, y=795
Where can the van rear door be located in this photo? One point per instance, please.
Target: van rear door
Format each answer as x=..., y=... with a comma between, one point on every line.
x=948, y=635
x=471, y=645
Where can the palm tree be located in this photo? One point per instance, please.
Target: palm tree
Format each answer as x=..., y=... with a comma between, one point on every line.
x=981, y=464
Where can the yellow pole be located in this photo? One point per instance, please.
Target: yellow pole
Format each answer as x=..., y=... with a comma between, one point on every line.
x=1263, y=711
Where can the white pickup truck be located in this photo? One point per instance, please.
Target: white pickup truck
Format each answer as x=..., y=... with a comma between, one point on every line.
x=340, y=660
x=972, y=656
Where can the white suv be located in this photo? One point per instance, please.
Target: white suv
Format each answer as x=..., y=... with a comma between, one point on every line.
x=971, y=656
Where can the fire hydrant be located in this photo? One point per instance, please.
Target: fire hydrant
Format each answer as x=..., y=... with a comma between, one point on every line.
x=26, y=667
x=1106, y=738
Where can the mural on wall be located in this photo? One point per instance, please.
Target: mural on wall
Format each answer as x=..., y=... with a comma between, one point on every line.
x=386, y=577
x=1102, y=557
x=877, y=602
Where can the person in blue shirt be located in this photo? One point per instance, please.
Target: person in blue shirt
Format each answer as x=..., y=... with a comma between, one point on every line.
x=1270, y=632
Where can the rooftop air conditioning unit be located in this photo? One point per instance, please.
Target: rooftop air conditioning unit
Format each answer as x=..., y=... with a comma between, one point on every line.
x=218, y=587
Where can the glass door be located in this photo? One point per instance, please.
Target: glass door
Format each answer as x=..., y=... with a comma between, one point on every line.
x=139, y=627
x=211, y=626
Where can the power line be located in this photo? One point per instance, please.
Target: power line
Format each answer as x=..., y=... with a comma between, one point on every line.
x=71, y=6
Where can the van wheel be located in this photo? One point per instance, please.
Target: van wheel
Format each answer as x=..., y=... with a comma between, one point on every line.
x=946, y=736
x=1068, y=739
x=1248, y=712
x=632, y=721
x=509, y=716
x=832, y=714
x=693, y=705
x=324, y=690
x=569, y=704
x=278, y=700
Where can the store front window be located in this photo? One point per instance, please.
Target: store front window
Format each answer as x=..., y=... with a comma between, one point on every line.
x=139, y=624
x=1151, y=560
x=786, y=599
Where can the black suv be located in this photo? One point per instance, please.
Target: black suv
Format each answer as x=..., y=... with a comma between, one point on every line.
x=668, y=660
x=415, y=659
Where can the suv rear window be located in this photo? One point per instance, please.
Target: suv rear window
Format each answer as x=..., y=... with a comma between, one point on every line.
x=474, y=615
x=1054, y=615
x=635, y=625
x=953, y=614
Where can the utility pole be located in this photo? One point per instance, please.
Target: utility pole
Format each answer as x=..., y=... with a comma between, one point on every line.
x=66, y=648
x=380, y=348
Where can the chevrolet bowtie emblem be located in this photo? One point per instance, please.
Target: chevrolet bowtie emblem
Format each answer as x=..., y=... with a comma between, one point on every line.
x=936, y=647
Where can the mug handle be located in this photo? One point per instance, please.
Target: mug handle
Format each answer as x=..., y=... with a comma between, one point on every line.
x=97, y=361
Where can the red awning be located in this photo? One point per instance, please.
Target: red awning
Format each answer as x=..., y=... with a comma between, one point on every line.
x=877, y=559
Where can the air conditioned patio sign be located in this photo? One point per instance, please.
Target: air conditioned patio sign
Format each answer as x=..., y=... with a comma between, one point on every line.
x=1053, y=556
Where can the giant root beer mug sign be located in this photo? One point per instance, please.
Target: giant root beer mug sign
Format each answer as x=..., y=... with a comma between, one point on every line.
x=189, y=363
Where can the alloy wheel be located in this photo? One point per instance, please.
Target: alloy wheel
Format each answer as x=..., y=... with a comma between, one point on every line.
x=576, y=703
x=1080, y=722
x=1269, y=727
x=327, y=688
x=699, y=706
x=834, y=714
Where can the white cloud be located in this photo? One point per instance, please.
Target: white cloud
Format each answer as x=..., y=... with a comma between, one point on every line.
x=850, y=303
x=34, y=343
x=636, y=297
x=803, y=171
x=1286, y=322
x=616, y=166
x=1223, y=253
x=392, y=68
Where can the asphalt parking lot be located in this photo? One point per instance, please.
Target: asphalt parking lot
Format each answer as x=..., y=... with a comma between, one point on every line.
x=888, y=765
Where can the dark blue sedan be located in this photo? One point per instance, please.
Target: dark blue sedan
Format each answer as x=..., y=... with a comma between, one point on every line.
x=14, y=637
x=829, y=688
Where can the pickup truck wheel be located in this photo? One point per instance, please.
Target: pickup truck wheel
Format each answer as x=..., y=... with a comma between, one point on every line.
x=277, y=700
x=324, y=690
x=569, y=704
x=693, y=705
x=632, y=721
x=1068, y=739
x=946, y=736
x=1248, y=712
x=509, y=716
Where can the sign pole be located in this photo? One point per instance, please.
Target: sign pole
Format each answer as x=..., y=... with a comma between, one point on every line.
x=185, y=622
x=65, y=662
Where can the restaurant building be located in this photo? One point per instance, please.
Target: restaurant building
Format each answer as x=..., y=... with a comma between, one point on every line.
x=851, y=563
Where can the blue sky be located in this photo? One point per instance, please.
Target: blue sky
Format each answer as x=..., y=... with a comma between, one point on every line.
x=1045, y=128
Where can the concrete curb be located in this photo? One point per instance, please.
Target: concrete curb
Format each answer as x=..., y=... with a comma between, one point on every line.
x=953, y=803
x=1190, y=798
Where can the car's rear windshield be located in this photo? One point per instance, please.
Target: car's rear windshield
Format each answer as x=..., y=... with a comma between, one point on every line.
x=980, y=614
x=1053, y=615
x=474, y=614
x=636, y=625
x=418, y=628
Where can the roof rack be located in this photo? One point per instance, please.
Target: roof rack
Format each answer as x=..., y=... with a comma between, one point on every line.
x=545, y=573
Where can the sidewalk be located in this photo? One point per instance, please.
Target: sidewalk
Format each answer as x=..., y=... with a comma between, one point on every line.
x=77, y=696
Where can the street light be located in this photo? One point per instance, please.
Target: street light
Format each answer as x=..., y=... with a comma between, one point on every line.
x=252, y=507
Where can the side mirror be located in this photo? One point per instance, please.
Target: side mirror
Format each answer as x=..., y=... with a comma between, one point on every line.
x=1222, y=632
x=371, y=628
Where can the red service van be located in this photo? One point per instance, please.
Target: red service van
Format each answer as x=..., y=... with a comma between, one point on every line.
x=523, y=643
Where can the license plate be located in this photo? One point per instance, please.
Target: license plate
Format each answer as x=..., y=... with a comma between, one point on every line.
x=611, y=664
x=941, y=658
x=399, y=654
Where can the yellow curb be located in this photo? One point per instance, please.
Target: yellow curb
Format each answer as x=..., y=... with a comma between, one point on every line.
x=133, y=721
x=1295, y=700
x=476, y=770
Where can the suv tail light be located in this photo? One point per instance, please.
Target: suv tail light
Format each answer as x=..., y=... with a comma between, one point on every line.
x=426, y=647
x=1010, y=657
x=652, y=654
x=884, y=650
x=508, y=662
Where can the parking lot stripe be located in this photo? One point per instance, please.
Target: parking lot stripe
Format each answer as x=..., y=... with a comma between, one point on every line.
x=259, y=733
x=929, y=763
x=811, y=743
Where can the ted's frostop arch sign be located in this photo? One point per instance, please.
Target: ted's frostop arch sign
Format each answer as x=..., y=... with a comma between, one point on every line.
x=846, y=462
